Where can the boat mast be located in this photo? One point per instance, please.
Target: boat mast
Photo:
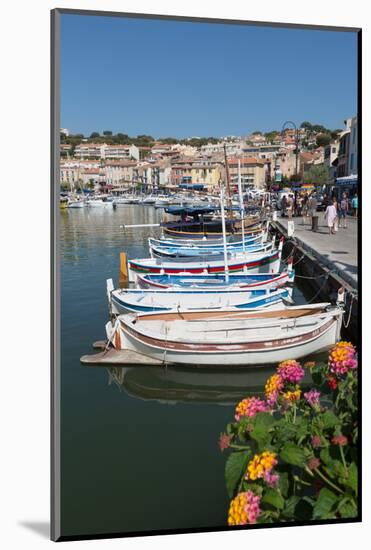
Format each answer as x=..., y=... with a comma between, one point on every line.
x=242, y=210
x=227, y=182
x=226, y=269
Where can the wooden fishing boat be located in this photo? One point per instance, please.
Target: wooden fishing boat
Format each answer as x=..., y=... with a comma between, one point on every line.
x=207, y=232
x=175, y=252
x=236, y=338
x=145, y=301
x=208, y=243
x=240, y=280
x=251, y=263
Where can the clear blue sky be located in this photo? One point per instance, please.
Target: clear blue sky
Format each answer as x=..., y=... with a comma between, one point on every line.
x=170, y=78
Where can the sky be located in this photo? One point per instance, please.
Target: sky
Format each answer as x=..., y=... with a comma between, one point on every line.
x=183, y=79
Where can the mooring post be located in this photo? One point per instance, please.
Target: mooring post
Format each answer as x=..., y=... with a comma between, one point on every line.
x=123, y=268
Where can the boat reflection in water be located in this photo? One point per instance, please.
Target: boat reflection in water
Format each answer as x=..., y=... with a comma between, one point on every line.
x=181, y=385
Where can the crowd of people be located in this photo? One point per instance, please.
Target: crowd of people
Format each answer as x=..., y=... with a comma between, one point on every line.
x=336, y=210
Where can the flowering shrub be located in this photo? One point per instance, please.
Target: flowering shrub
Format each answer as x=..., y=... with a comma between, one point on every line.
x=293, y=454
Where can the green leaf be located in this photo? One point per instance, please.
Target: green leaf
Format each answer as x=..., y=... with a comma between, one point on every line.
x=284, y=483
x=264, y=419
x=347, y=508
x=326, y=457
x=325, y=505
x=261, y=435
x=274, y=498
x=330, y=420
x=290, y=505
x=235, y=468
x=292, y=454
x=352, y=480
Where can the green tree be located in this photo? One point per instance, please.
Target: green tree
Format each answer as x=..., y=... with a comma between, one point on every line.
x=317, y=174
x=306, y=125
x=94, y=135
x=323, y=140
x=107, y=133
x=270, y=136
x=257, y=133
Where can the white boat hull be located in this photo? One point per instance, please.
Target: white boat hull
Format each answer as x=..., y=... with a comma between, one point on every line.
x=218, y=346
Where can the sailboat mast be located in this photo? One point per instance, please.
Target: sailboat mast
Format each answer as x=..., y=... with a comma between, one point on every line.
x=242, y=210
x=227, y=182
x=226, y=269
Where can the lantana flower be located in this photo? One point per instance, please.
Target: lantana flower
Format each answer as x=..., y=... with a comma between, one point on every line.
x=249, y=407
x=244, y=509
x=342, y=358
x=291, y=371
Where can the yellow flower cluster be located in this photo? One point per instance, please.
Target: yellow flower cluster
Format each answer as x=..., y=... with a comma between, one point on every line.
x=244, y=509
x=292, y=396
x=237, y=514
x=260, y=465
x=273, y=385
x=340, y=351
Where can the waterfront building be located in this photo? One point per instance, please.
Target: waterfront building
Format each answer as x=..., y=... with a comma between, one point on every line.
x=203, y=170
x=232, y=148
x=102, y=151
x=330, y=155
x=119, y=173
x=90, y=150
x=353, y=147
x=253, y=172
x=121, y=152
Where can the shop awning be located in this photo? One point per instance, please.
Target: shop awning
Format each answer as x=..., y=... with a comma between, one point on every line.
x=347, y=180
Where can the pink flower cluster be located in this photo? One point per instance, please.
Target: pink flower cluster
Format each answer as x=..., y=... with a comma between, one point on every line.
x=224, y=441
x=252, y=507
x=271, y=479
x=342, y=358
x=316, y=441
x=291, y=371
x=312, y=398
x=250, y=407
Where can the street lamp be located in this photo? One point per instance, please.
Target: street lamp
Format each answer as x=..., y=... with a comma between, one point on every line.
x=284, y=126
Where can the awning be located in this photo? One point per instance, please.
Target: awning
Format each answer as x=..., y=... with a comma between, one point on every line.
x=194, y=186
x=347, y=180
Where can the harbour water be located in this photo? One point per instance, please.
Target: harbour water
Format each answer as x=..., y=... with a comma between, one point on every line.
x=138, y=445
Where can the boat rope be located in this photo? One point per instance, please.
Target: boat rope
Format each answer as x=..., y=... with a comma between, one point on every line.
x=316, y=277
x=299, y=260
x=320, y=289
x=346, y=323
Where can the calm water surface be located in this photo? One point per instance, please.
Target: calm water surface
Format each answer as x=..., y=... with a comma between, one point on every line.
x=139, y=445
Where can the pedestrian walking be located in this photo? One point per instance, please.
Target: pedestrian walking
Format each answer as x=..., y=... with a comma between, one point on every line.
x=343, y=211
x=312, y=207
x=355, y=205
x=284, y=204
x=305, y=207
x=290, y=207
x=331, y=216
x=299, y=205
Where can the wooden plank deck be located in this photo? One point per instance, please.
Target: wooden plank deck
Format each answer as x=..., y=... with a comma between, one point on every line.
x=119, y=357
